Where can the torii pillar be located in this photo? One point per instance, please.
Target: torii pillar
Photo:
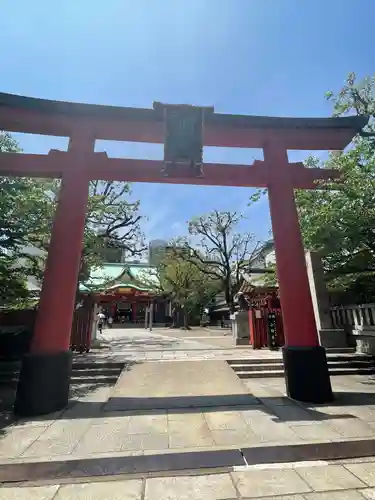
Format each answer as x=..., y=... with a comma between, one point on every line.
x=305, y=363
x=44, y=381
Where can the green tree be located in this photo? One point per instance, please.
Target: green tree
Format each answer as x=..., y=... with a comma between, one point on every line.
x=187, y=285
x=183, y=282
x=220, y=251
x=340, y=221
x=26, y=209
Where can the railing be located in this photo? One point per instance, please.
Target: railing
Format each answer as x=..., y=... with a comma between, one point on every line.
x=353, y=316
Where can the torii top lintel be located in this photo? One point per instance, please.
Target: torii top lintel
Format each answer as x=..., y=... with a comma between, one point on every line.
x=58, y=118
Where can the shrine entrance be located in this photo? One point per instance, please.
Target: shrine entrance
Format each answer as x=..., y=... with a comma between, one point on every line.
x=44, y=380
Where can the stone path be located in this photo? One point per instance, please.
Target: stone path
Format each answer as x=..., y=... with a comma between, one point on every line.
x=182, y=384
x=90, y=430
x=86, y=430
x=137, y=344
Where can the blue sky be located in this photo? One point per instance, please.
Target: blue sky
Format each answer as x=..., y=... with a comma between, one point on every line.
x=261, y=57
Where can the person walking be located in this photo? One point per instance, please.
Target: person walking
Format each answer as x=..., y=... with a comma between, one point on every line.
x=110, y=321
x=101, y=319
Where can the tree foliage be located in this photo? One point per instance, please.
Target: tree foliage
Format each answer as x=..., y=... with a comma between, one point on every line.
x=183, y=282
x=340, y=221
x=220, y=250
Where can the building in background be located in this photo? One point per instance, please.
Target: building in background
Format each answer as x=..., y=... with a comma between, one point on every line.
x=125, y=291
x=156, y=251
x=253, y=277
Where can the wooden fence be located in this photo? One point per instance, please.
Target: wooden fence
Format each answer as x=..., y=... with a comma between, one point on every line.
x=80, y=337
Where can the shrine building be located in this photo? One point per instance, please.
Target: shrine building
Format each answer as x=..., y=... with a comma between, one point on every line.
x=124, y=291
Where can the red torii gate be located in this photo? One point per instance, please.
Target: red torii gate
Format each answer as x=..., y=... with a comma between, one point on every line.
x=44, y=378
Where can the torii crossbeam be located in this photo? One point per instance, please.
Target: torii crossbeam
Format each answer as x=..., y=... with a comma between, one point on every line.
x=44, y=379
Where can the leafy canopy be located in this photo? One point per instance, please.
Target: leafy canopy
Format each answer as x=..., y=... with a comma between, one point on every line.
x=340, y=221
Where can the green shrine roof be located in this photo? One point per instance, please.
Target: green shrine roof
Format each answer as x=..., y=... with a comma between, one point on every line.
x=125, y=275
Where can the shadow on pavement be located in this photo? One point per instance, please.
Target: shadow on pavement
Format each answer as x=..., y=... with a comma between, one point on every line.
x=181, y=405
x=77, y=391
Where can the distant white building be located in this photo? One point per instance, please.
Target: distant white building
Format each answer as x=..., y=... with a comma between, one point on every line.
x=156, y=251
x=256, y=268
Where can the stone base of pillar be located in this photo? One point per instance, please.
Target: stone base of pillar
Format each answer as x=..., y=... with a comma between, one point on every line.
x=306, y=374
x=43, y=385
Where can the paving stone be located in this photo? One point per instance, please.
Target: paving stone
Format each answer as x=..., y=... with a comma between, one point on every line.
x=365, y=413
x=180, y=419
x=144, y=424
x=286, y=497
x=365, y=472
x=145, y=442
x=357, y=460
x=101, y=438
x=335, y=495
x=17, y=440
x=259, y=483
x=330, y=477
x=232, y=437
x=209, y=487
x=327, y=410
x=224, y=420
x=352, y=427
x=44, y=420
x=70, y=430
x=29, y=493
x=191, y=437
x=111, y=490
x=268, y=431
x=50, y=447
x=256, y=413
x=369, y=494
x=315, y=432
x=116, y=420
x=292, y=414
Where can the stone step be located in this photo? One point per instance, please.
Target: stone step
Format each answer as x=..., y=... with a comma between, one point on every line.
x=332, y=358
x=257, y=367
x=84, y=365
x=249, y=366
x=352, y=371
x=351, y=364
x=340, y=350
x=351, y=357
x=256, y=361
x=9, y=383
x=280, y=373
x=14, y=368
x=96, y=371
x=95, y=379
x=260, y=374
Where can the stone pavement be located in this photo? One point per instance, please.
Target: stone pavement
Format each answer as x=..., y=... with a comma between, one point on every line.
x=86, y=442
x=183, y=384
x=296, y=481
x=138, y=344
x=86, y=430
